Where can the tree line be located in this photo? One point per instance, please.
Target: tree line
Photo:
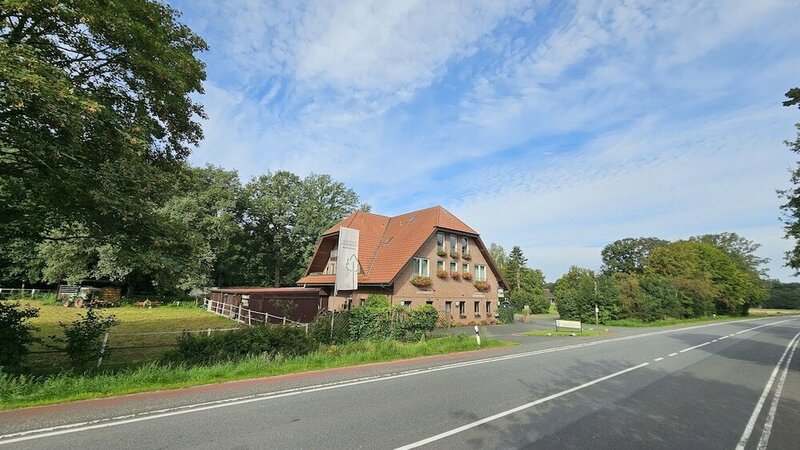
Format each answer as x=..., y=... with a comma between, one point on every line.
x=211, y=230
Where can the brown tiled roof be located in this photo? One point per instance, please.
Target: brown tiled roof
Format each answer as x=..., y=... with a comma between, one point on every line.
x=386, y=244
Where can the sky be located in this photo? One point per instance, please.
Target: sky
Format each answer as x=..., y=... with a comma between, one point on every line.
x=556, y=126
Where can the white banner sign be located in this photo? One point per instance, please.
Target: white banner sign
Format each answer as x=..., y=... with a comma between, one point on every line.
x=347, y=266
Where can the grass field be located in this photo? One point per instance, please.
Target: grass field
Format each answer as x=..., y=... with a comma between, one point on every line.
x=125, y=348
x=26, y=391
x=565, y=333
x=774, y=312
x=667, y=322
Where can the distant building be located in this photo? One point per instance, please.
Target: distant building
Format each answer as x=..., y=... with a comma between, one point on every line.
x=422, y=257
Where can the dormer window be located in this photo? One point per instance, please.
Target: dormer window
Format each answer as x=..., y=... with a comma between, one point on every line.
x=440, y=241
x=453, y=243
x=464, y=245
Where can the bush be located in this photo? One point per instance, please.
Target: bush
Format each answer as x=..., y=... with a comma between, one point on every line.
x=330, y=328
x=420, y=321
x=506, y=315
x=15, y=334
x=83, y=339
x=377, y=301
x=267, y=340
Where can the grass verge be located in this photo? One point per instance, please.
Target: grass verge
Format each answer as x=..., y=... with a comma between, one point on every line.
x=33, y=391
x=564, y=333
x=773, y=312
x=636, y=323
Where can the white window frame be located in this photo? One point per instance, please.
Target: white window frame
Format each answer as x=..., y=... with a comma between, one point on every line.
x=440, y=265
x=464, y=244
x=480, y=272
x=464, y=268
x=453, y=267
x=453, y=243
x=417, y=271
x=440, y=241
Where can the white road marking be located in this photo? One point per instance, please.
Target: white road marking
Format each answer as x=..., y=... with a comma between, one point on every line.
x=694, y=347
x=672, y=354
x=773, y=409
x=760, y=404
x=714, y=340
x=179, y=410
x=517, y=409
x=659, y=359
x=724, y=337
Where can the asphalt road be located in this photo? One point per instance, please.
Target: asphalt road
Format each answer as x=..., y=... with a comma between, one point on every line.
x=709, y=386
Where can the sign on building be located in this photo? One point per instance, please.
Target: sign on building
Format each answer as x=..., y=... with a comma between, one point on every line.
x=347, y=266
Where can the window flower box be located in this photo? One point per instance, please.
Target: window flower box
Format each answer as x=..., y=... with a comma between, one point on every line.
x=455, y=275
x=466, y=255
x=467, y=276
x=421, y=282
x=441, y=252
x=482, y=286
x=442, y=274
x=454, y=254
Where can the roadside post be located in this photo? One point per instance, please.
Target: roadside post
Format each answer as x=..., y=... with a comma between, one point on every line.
x=103, y=349
x=596, y=314
x=477, y=335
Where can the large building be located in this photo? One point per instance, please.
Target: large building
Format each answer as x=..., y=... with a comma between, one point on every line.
x=422, y=257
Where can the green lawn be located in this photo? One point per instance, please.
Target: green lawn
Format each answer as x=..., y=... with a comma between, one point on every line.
x=564, y=333
x=125, y=348
x=667, y=322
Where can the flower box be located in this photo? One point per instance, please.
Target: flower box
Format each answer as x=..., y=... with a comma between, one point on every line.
x=441, y=252
x=466, y=256
x=454, y=254
x=455, y=275
x=442, y=274
x=421, y=282
x=482, y=286
x=467, y=276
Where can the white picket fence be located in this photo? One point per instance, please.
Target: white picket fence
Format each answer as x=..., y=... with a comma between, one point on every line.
x=248, y=316
x=10, y=291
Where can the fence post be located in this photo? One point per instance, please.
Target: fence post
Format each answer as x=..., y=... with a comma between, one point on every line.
x=306, y=329
x=209, y=332
x=284, y=320
x=102, y=349
x=249, y=318
x=239, y=313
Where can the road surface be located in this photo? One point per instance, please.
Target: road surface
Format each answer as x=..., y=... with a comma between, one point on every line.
x=722, y=385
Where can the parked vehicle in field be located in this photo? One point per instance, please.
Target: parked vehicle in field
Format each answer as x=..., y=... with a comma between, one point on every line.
x=84, y=296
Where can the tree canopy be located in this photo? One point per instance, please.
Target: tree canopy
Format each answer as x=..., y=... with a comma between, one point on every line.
x=96, y=114
x=791, y=209
x=629, y=255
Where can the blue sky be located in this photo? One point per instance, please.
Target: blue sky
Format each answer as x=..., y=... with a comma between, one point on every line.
x=556, y=126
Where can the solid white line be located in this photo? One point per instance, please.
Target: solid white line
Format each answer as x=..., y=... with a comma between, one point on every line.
x=672, y=354
x=166, y=412
x=760, y=404
x=659, y=359
x=773, y=409
x=517, y=409
x=714, y=340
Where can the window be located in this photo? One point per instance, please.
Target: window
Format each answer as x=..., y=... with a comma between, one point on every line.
x=453, y=240
x=462, y=306
x=330, y=268
x=406, y=303
x=480, y=272
x=440, y=241
x=465, y=268
x=477, y=308
x=448, y=307
x=453, y=267
x=419, y=267
x=464, y=245
x=429, y=302
x=439, y=265
x=488, y=309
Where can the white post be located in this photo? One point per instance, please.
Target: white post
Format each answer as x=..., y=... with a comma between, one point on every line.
x=284, y=320
x=102, y=349
x=249, y=318
x=209, y=332
x=477, y=335
x=596, y=314
x=239, y=314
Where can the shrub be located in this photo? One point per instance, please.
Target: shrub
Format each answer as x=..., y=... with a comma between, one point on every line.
x=441, y=273
x=420, y=321
x=83, y=338
x=506, y=315
x=330, y=328
x=15, y=334
x=265, y=340
x=421, y=282
x=377, y=301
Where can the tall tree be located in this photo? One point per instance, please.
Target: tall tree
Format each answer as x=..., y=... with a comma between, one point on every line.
x=96, y=109
x=498, y=254
x=514, y=267
x=629, y=255
x=742, y=250
x=791, y=209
